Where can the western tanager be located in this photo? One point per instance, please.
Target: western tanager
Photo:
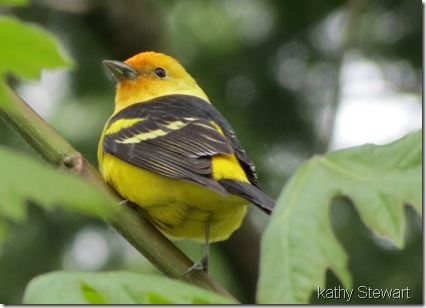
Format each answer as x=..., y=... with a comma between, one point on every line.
x=169, y=151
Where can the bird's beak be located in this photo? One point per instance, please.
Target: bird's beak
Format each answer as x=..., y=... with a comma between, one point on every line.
x=120, y=70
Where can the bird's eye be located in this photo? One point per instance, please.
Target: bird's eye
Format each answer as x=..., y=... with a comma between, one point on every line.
x=160, y=72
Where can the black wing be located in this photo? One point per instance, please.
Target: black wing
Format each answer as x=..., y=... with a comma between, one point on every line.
x=176, y=136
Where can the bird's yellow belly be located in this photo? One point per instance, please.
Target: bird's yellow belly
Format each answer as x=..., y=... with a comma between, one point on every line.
x=178, y=208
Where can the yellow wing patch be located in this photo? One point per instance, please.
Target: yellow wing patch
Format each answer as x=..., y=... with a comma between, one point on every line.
x=154, y=133
x=121, y=124
x=226, y=166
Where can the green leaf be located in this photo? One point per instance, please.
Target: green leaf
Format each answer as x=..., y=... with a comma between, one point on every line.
x=299, y=245
x=115, y=288
x=23, y=179
x=26, y=50
x=91, y=295
x=13, y=2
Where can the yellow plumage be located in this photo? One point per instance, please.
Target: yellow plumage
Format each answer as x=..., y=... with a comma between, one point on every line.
x=166, y=149
x=178, y=208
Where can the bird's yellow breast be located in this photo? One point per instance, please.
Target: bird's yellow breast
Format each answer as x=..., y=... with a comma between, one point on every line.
x=178, y=208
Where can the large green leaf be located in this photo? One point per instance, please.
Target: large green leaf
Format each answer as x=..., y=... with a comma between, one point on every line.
x=299, y=245
x=115, y=288
x=22, y=179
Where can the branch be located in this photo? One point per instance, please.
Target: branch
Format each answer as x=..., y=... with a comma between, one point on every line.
x=349, y=32
x=135, y=228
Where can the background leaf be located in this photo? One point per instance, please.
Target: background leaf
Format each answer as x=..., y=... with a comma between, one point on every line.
x=13, y=2
x=115, y=288
x=299, y=245
x=26, y=50
x=23, y=179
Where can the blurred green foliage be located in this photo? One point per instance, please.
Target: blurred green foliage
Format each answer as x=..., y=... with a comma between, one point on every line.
x=271, y=67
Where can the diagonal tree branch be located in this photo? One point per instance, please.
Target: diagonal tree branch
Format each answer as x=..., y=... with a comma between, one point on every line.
x=135, y=228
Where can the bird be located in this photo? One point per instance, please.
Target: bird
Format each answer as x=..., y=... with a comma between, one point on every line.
x=169, y=151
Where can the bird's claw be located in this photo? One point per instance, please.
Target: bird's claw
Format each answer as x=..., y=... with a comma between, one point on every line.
x=202, y=265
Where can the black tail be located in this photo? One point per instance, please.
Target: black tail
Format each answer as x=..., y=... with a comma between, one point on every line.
x=249, y=192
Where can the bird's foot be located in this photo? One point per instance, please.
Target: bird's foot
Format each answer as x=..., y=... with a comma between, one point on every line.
x=202, y=265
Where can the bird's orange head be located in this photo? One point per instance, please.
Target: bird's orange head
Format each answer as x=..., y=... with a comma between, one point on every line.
x=148, y=75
